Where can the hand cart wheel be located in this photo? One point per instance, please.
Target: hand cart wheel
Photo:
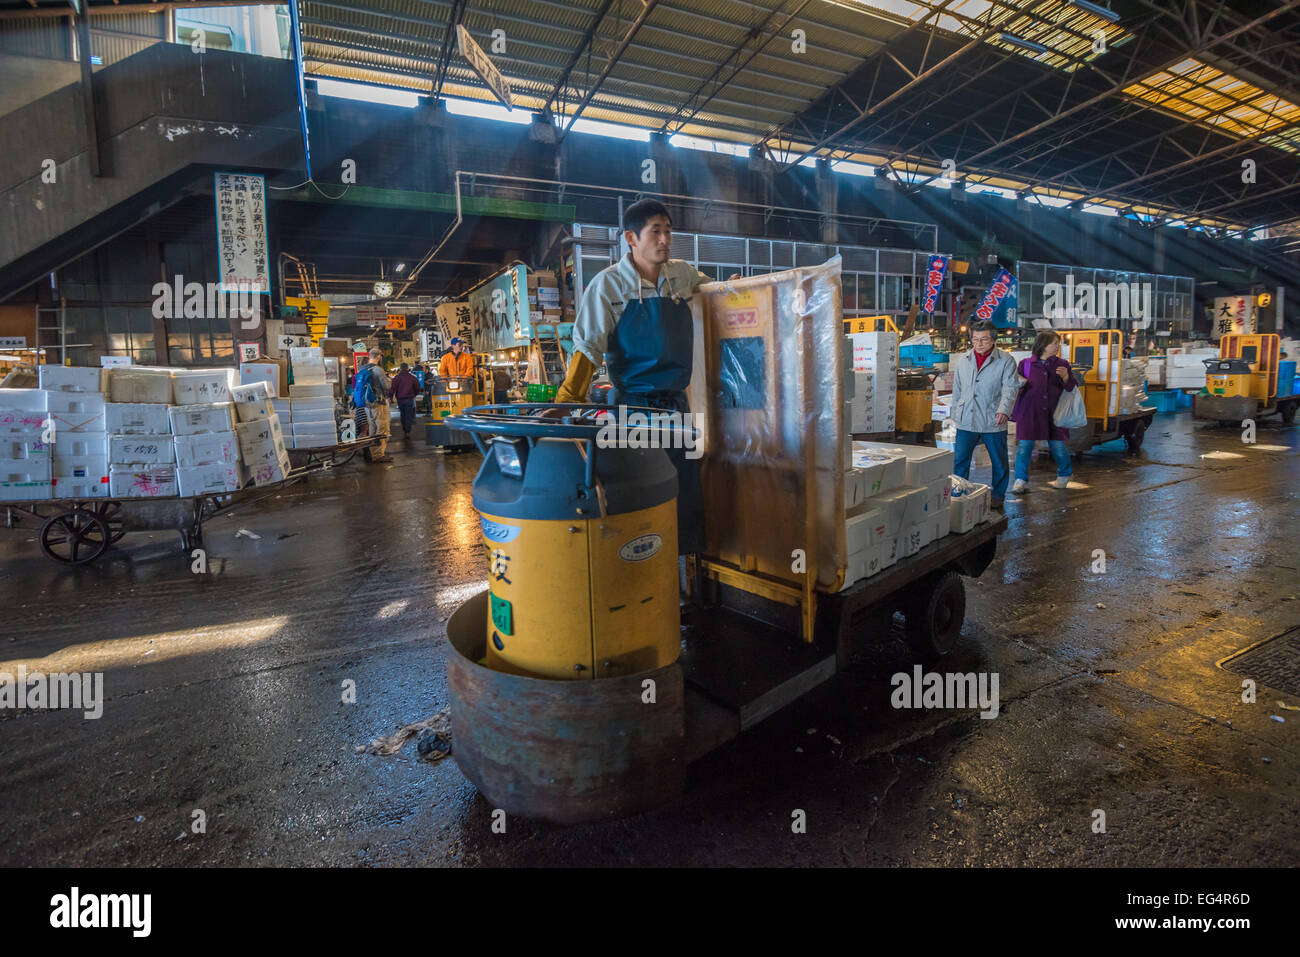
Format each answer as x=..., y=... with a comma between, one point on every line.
x=111, y=514
x=934, y=614
x=75, y=537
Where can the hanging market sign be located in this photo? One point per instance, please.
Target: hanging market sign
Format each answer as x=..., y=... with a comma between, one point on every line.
x=483, y=66
x=999, y=303
x=1233, y=314
x=934, y=273
x=496, y=314
x=241, y=232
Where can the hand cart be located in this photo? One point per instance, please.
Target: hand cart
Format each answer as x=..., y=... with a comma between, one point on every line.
x=331, y=456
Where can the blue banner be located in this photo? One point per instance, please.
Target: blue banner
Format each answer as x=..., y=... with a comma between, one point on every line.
x=999, y=303
x=935, y=270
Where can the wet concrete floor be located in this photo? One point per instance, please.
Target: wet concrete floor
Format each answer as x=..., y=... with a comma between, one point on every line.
x=224, y=690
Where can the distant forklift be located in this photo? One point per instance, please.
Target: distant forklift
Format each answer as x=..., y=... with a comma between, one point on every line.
x=1243, y=382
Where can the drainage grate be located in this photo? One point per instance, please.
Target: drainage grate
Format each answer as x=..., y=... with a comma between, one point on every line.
x=1275, y=663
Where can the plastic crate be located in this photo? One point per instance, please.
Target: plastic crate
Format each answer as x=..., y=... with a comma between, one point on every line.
x=1184, y=400
x=1286, y=382
x=1164, y=401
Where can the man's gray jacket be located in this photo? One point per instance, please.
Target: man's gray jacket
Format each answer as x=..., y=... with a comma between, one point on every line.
x=977, y=396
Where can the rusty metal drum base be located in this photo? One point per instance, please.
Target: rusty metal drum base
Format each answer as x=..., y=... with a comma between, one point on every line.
x=562, y=751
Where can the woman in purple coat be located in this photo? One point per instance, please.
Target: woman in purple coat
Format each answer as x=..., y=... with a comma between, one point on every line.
x=1046, y=376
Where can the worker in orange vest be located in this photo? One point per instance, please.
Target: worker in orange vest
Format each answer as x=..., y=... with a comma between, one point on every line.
x=457, y=362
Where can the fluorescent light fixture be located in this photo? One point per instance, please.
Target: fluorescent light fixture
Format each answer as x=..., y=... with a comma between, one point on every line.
x=853, y=169
x=616, y=130
x=1100, y=210
x=487, y=111
x=1027, y=44
x=1097, y=10
x=366, y=93
x=682, y=141
x=400, y=267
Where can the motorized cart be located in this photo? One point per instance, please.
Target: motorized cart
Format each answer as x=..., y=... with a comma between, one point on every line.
x=1095, y=359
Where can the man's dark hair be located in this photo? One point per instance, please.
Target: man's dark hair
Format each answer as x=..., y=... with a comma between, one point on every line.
x=638, y=214
x=984, y=325
x=405, y=367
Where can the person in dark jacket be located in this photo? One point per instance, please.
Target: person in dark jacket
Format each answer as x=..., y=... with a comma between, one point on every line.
x=404, y=389
x=1046, y=376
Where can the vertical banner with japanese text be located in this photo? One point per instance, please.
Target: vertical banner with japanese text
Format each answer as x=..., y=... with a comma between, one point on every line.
x=242, y=250
x=935, y=269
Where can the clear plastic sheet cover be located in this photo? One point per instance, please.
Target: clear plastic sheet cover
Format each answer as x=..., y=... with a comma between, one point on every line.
x=769, y=381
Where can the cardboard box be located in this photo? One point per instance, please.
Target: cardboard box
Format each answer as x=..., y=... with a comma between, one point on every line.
x=207, y=448
x=26, y=400
x=193, y=419
x=202, y=386
x=68, y=486
x=135, y=418
x=149, y=384
x=141, y=482
x=198, y=479
x=140, y=450
x=69, y=445
x=68, y=378
x=76, y=411
x=336, y=347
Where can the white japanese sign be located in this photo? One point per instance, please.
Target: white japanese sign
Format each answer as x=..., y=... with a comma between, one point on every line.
x=241, y=232
x=1233, y=314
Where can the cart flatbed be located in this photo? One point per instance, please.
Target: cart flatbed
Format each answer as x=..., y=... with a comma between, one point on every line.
x=742, y=657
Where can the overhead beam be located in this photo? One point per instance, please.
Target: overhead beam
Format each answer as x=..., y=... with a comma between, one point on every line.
x=612, y=62
x=86, y=92
x=14, y=13
x=584, y=44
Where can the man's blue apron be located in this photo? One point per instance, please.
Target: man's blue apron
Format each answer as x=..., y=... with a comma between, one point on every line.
x=649, y=359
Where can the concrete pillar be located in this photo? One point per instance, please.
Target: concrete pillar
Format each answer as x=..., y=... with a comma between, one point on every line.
x=827, y=201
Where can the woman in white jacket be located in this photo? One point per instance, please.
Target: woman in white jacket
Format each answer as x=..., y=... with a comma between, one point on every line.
x=984, y=387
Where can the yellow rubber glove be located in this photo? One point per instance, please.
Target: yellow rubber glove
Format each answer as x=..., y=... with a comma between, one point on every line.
x=577, y=380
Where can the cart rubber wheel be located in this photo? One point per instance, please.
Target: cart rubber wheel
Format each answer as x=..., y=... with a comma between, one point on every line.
x=75, y=537
x=111, y=514
x=1288, y=413
x=1133, y=437
x=934, y=614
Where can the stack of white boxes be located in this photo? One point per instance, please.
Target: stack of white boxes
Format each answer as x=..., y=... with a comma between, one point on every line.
x=79, y=455
x=311, y=401
x=141, y=460
x=1154, y=371
x=261, y=444
x=25, y=459
x=1185, y=368
x=873, y=388
x=896, y=501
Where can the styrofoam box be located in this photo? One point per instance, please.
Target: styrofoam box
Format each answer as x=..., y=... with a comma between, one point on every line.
x=314, y=403
x=251, y=372
x=315, y=420
x=967, y=511
x=312, y=440
x=884, y=468
x=28, y=400
x=68, y=486
x=900, y=507
x=259, y=432
x=196, y=479
x=252, y=392
x=19, y=447
x=924, y=463
x=282, y=406
x=150, y=384
x=207, y=448
x=140, y=450
x=193, y=419
x=24, y=470
x=69, y=378
x=202, y=386
x=128, y=482
x=254, y=409
x=126, y=418
x=69, y=445
x=22, y=422
x=310, y=390
x=276, y=470
x=937, y=496
x=863, y=530
x=81, y=467
x=76, y=411
x=21, y=488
